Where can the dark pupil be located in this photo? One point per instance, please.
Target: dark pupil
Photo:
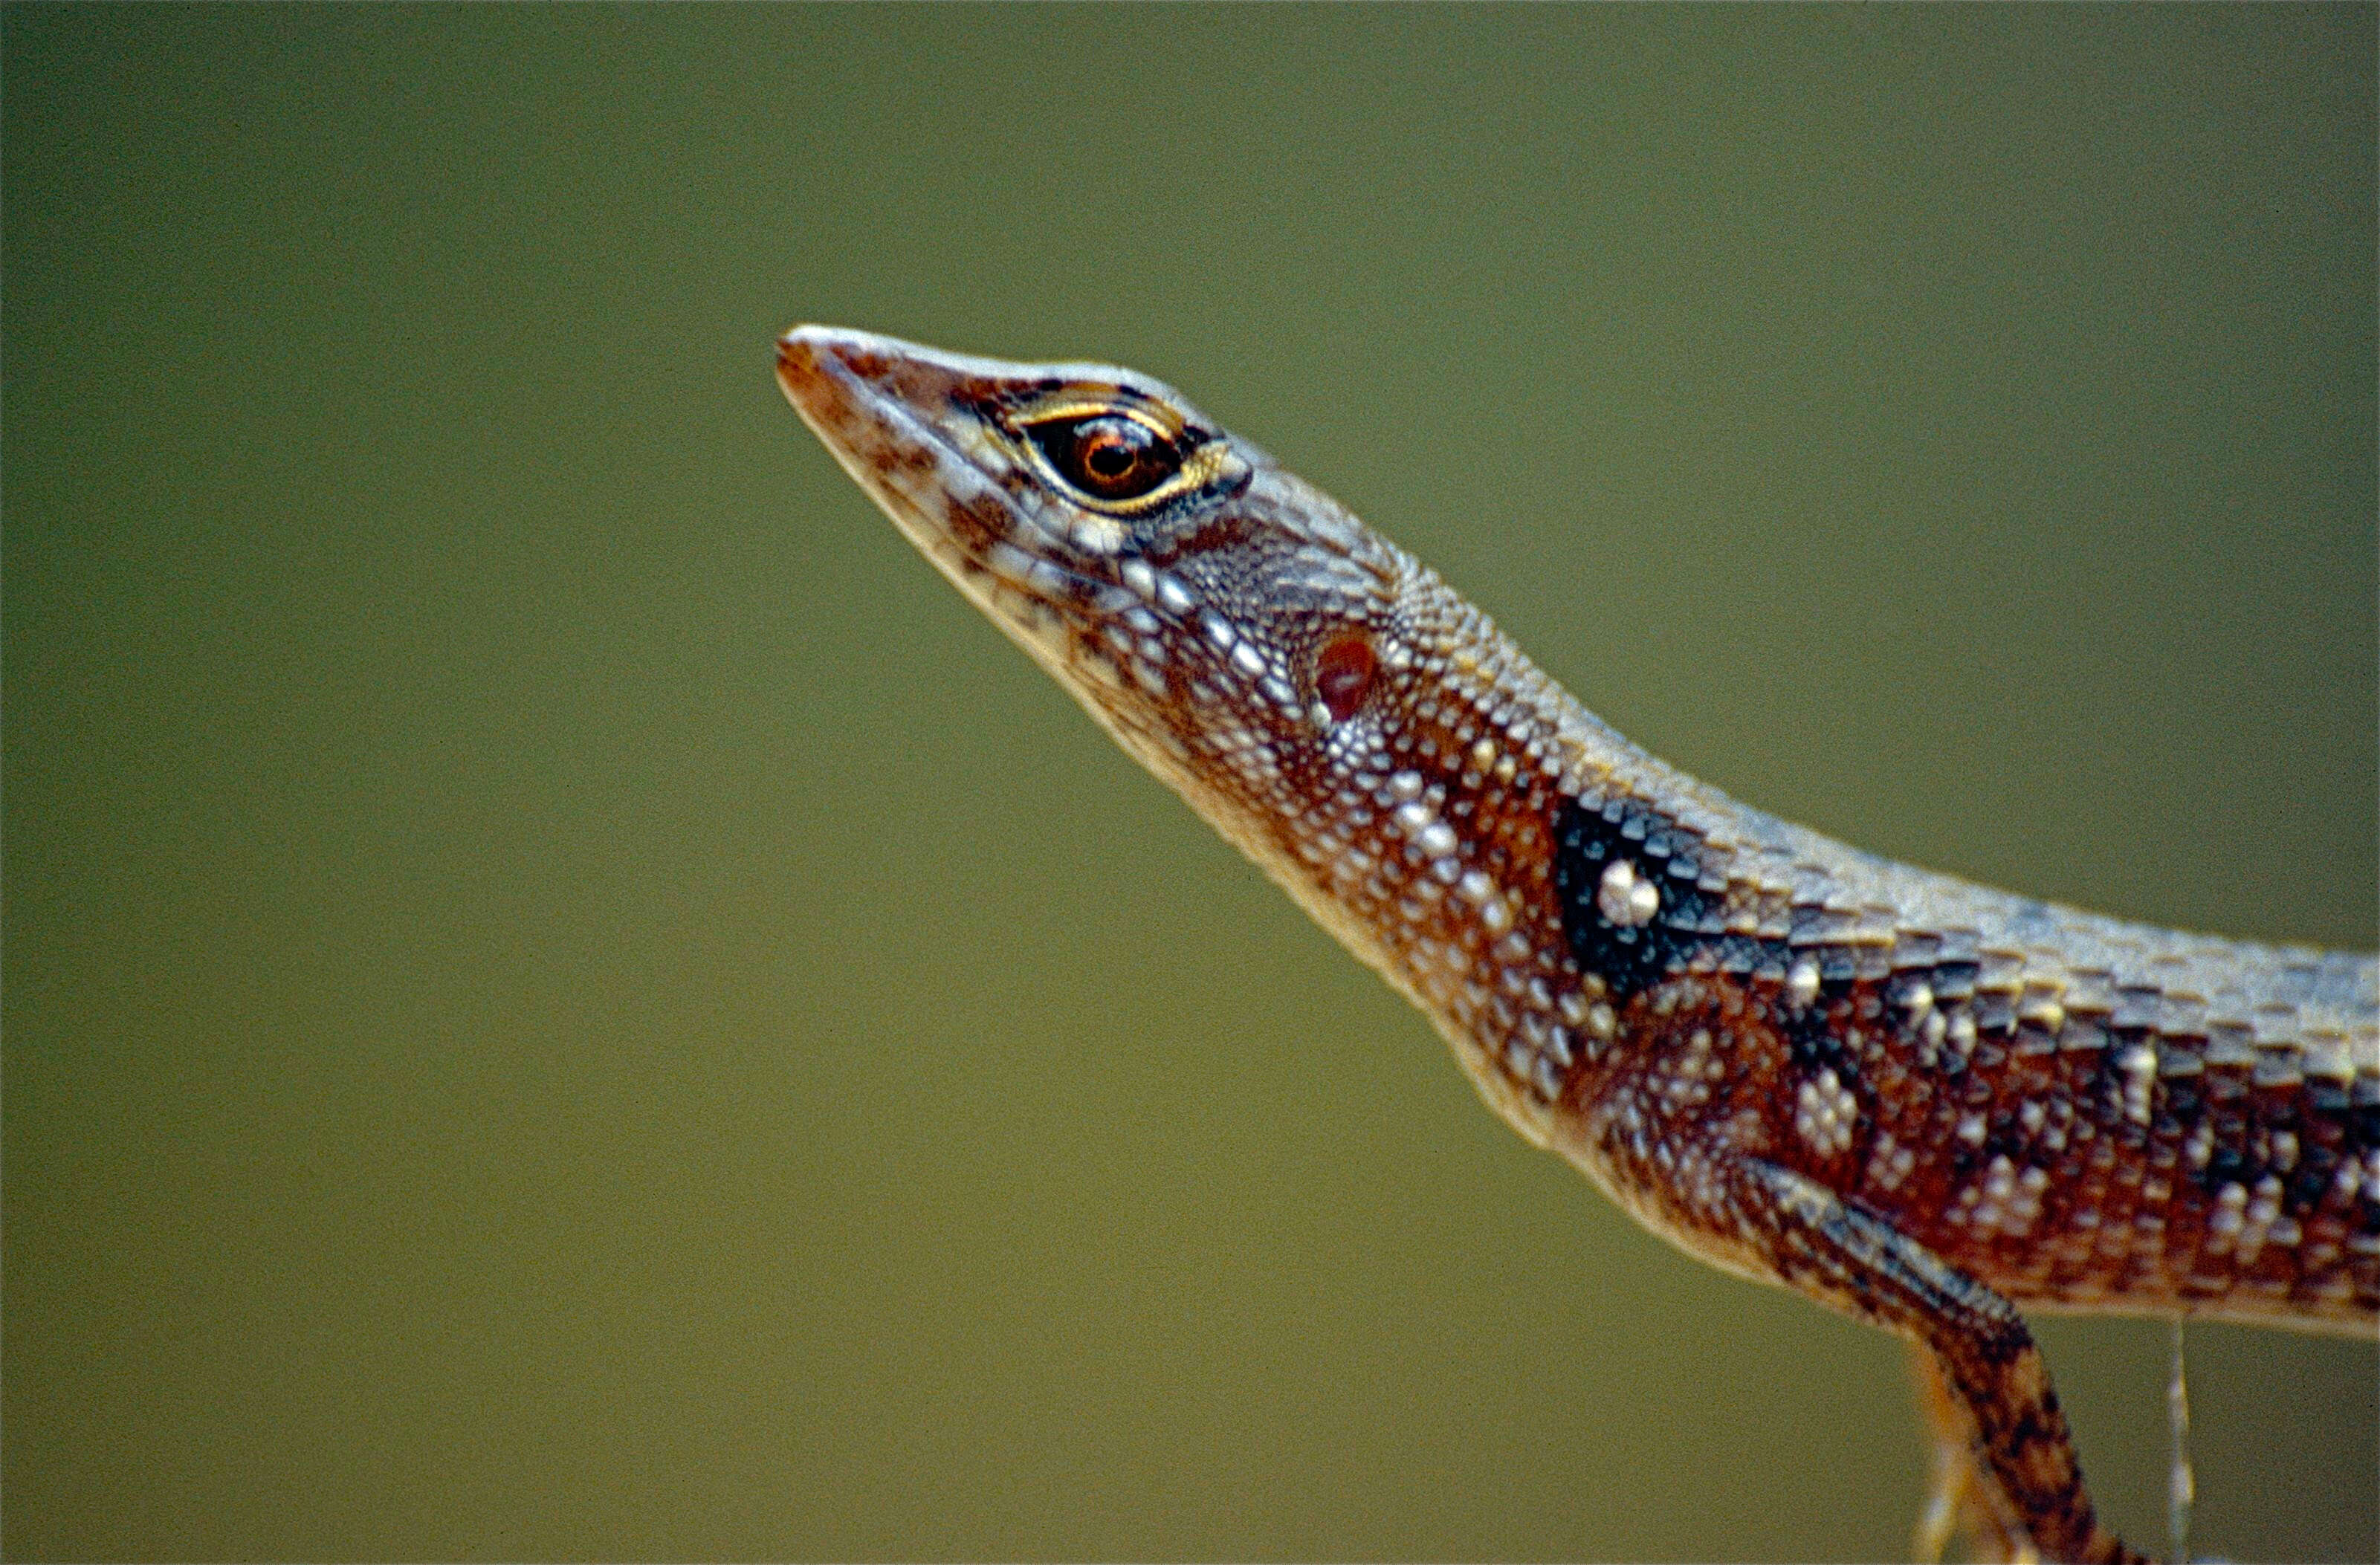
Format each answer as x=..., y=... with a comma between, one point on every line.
x=1108, y=455
x=1115, y=458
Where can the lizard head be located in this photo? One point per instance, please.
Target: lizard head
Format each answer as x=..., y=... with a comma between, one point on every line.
x=1208, y=607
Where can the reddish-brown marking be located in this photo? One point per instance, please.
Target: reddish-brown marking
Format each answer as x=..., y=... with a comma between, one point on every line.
x=1344, y=672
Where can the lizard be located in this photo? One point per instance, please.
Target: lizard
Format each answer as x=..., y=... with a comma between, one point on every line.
x=1917, y=1100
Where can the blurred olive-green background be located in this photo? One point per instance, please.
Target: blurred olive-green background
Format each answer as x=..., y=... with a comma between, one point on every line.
x=565, y=996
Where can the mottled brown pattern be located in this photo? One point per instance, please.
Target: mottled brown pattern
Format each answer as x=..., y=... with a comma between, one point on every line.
x=1912, y=1098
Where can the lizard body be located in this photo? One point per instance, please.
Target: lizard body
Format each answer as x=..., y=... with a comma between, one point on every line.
x=1916, y=1099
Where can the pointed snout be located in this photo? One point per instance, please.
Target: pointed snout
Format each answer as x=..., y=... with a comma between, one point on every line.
x=898, y=417
x=798, y=352
x=813, y=358
x=834, y=375
x=814, y=362
x=820, y=367
x=809, y=346
x=871, y=399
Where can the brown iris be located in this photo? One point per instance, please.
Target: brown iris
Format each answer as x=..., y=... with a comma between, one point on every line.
x=1108, y=456
x=1344, y=672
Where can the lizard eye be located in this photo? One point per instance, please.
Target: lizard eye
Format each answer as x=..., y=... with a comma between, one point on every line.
x=1108, y=456
x=1344, y=672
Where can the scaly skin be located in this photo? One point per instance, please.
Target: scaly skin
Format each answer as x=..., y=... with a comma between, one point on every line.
x=1917, y=1100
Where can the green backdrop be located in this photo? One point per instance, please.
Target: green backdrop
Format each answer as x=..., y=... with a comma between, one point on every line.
x=564, y=996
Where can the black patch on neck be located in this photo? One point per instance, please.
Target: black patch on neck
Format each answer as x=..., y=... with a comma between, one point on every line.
x=1810, y=1040
x=1629, y=959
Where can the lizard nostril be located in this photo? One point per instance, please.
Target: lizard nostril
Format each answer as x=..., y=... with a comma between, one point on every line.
x=1344, y=672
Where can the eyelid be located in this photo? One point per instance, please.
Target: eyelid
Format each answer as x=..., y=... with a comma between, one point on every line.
x=1197, y=464
x=1075, y=406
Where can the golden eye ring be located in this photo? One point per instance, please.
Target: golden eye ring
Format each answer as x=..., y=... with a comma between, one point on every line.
x=1107, y=456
